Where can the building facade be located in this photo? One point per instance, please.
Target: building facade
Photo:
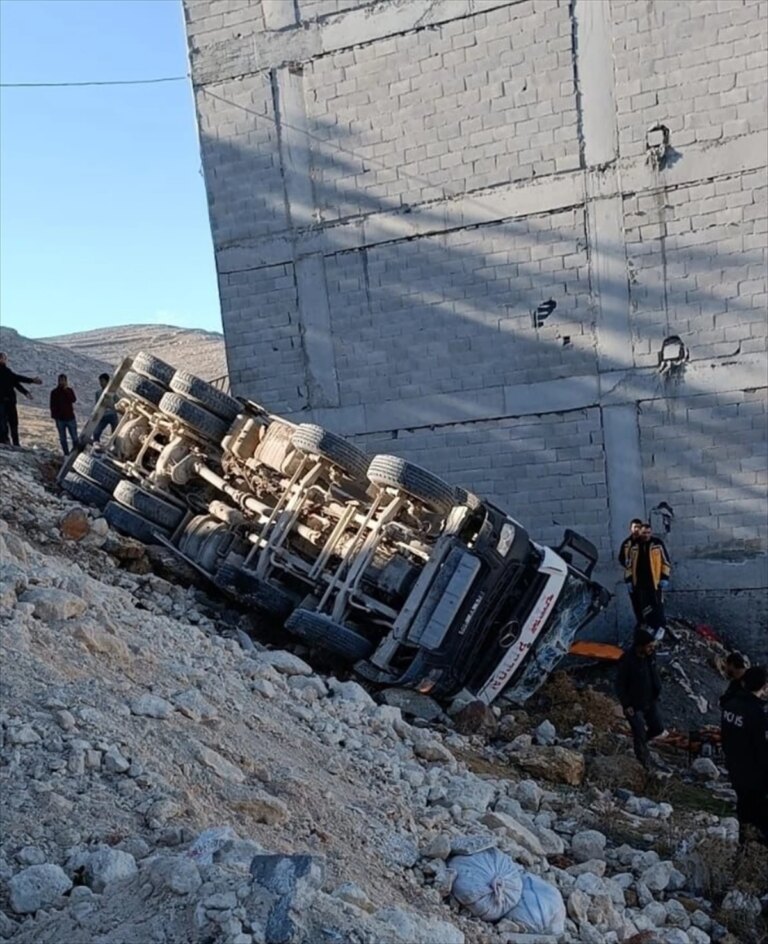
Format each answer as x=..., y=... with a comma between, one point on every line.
x=521, y=242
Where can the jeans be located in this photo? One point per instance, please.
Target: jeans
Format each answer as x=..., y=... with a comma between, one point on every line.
x=9, y=420
x=109, y=419
x=646, y=724
x=64, y=427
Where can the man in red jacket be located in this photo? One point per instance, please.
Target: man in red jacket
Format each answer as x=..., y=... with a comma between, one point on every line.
x=63, y=401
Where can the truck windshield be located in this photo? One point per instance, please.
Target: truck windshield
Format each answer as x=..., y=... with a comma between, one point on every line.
x=571, y=611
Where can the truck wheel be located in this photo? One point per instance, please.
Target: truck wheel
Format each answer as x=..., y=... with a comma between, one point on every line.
x=205, y=424
x=84, y=490
x=150, y=366
x=142, y=388
x=149, y=506
x=394, y=472
x=133, y=524
x=320, y=630
x=215, y=401
x=101, y=471
x=252, y=589
x=316, y=441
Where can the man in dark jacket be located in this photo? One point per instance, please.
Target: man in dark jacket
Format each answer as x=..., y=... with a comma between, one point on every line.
x=10, y=382
x=63, y=401
x=735, y=667
x=638, y=686
x=744, y=729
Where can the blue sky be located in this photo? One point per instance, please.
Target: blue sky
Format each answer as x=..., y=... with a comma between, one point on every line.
x=103, y=218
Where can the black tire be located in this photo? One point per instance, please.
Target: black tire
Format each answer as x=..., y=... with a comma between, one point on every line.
x=317, y=441
x=202, y=422
x=424, y=486
x=99, y=470
x=149, y=506
x=317, y=629
x=215, y=401
x=84, y=490
x=142, y=389
x=133, y=524
x=251, y=589
x=150, y=366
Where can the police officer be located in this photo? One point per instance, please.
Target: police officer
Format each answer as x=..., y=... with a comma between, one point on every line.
x=735, y=666
x=744, y=730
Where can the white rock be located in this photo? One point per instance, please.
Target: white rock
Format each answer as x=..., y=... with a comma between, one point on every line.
x=656, y=913
x=114, y=762
x=529, y=794
x=285, y=662
x=596, y=866
x=151, y=706
x=675, y=936
x=509, y=827
x=705, y=769
x=352, y=894
x=219, y=765
x=545, y=734
x=38, y=886
x=25, y=734
x=108, y=865
x=697, y=936
x=429, y=748
x=656, y=878
x=51, y=604
x=397, y=926
x=350, y=691
x=588, y=844
x=193, y=705
x=178, y=874
x=677, y=916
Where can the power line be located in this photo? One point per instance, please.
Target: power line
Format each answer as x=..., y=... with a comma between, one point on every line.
x=167, y=78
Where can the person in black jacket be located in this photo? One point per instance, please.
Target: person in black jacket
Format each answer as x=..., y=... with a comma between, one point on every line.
x=638, y=686
x=735, y=667
x=10, y=382
x=744, y=730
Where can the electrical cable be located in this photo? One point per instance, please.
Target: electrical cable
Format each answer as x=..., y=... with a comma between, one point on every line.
x=167, y=78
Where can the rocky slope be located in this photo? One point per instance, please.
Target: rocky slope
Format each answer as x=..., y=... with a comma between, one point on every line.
x=138, y=711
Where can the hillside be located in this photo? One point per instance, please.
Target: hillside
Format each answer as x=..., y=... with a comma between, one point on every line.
x=84, y=355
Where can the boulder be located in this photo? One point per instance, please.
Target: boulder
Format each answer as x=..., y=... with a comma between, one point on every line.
x=219, y=765
x=36, y=887
x=51, y=603
x=151, y=706
x=529, y=795
x=108, y=865
x=351, y=692
x=413, y=703
x=500, y=822
x=557, y=764
x=193, y=705
x=284, y=662
x=97, y=640
x=476, y=718
x=178, y=874
x=352, y=894
x=396, y=926
x=284, y=888
x=545, y=734
x=588, y=844
x=704, y=768
x=74, y=525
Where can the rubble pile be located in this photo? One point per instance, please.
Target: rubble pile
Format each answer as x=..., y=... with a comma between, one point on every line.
x=167, y=778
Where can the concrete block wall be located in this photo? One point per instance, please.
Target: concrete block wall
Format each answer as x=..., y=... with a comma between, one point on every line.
x=461, y=231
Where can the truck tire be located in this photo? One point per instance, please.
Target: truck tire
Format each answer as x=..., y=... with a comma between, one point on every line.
x=84, y=490
x=320, y=630
x=150, y=366
x=149, y=506
x=133, y=524
x=99, y=470
x=316, y=441
x=202, y=422
x=252, y=589
x=143, y=389
x=394, y=472
x=215, y=401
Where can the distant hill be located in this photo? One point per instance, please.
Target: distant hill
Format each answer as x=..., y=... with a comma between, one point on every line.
x=85, y=355
x=201, y=352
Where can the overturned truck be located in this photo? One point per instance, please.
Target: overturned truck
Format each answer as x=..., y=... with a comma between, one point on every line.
x=375, y=560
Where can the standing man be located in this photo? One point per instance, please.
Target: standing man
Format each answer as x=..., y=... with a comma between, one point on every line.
x=744, y=730
x=735, y=667
x=109, y=418
x=632, y=538
x=63, y=401
x=10, y=382
x=638, y=686
x=647, y=574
